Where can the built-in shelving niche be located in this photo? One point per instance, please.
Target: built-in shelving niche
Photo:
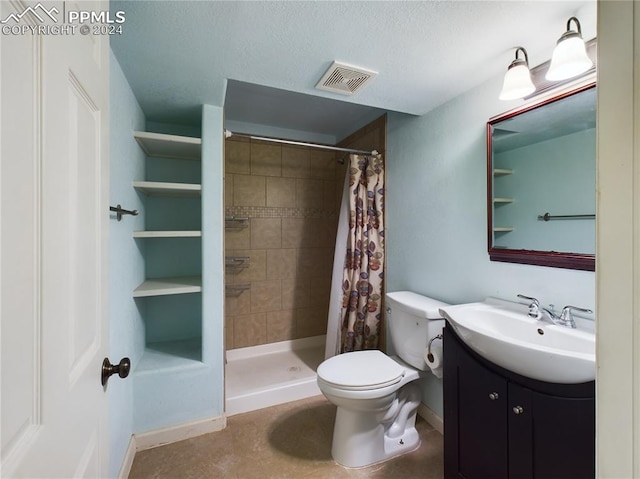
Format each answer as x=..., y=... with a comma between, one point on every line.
x=170, y=296
x=501, y=201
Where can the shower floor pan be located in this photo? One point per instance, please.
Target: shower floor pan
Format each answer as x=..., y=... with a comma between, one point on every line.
x=261, y=376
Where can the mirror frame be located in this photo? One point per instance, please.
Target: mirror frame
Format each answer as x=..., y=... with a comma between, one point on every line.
x=553, y=259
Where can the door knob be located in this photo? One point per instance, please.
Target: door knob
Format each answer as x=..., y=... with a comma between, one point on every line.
x=122, y=369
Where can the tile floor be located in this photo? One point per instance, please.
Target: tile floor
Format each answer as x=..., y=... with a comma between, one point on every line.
x=290, y=440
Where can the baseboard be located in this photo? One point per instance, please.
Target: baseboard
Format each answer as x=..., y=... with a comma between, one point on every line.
x=431, y=417
x=168, y=435
x=127, y=461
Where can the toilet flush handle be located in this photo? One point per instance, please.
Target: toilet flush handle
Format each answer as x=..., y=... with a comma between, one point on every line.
x=388, y=310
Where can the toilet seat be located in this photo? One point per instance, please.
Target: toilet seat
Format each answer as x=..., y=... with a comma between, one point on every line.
x=361, y=370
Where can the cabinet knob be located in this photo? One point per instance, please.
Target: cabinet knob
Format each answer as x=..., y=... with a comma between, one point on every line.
x=518, y=410
x=493, y=396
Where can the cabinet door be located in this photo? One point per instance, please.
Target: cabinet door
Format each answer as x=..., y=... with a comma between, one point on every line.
x=475, y=419
x=482, y=422
x=520, y=413
x=563, y=437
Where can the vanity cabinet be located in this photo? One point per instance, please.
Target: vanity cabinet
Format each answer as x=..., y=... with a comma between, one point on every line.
x=498, y=424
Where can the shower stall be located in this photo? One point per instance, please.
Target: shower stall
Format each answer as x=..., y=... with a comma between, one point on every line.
x=282, y=201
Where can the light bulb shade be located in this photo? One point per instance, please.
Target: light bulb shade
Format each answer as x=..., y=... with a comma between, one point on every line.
x=517, y=81
x=570, y=57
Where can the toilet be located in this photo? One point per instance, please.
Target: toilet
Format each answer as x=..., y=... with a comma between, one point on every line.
x=377, y=396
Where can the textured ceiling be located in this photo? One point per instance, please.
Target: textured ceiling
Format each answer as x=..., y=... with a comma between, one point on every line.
x=283, y=109
x=178, y=55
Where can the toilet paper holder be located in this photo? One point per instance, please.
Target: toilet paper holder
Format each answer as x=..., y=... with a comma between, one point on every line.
x=429, y=354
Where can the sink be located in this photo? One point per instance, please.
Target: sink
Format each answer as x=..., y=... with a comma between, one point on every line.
x=501, y=332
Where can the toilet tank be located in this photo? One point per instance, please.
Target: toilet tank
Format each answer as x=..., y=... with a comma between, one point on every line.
x=413, y=319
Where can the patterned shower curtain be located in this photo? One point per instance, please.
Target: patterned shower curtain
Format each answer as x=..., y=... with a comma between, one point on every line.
x=363, y=268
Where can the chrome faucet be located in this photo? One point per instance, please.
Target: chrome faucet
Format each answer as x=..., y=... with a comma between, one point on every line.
x=565, y=318
x=534, y=307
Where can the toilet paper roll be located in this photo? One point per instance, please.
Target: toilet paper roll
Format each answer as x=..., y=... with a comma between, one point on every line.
x=434, y=360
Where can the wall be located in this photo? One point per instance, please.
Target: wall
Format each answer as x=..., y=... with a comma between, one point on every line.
x=289, y=195
x=212, y=256
x=126, y=261
x=436, y=215
x=618, y=241
x=184, y=395
x=372, y=136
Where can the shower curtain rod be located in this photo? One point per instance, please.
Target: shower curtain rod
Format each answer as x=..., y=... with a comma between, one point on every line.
x=228, y=134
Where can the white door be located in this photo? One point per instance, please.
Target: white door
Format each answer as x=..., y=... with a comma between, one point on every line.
x=53, y=245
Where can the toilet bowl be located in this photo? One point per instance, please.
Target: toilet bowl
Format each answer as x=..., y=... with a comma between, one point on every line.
x=376, y=395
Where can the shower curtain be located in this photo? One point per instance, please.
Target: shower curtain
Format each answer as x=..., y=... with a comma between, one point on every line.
x=332, y=346
x=356, y=292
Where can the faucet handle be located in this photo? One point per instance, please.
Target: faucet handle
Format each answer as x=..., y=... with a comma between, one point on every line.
x=533, y=300
x=567, y=316
x=534, y=306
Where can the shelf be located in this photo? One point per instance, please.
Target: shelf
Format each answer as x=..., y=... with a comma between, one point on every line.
x=235, y=290
x=170, y=355
x=502, y=229
x=160, y=145
x=167, y=286
x=501, y=172
x=155, y=188
x=233, y=223
x=167, y=234
x=236, y=264
x=503, y=200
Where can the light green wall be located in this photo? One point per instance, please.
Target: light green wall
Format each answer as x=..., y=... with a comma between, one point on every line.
x=213, y=252
x=436, y=234
x=126, y=260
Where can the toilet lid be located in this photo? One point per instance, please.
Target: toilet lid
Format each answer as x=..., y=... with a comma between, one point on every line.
x=369, y=369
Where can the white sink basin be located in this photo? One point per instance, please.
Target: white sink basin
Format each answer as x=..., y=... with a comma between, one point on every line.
x=502, y=333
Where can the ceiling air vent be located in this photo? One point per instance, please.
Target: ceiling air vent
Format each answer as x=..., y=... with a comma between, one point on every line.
x=345, y=79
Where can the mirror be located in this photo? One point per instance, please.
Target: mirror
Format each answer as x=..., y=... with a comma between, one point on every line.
x=541, y=182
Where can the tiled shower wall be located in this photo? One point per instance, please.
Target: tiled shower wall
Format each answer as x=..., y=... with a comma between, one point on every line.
x=291, y=197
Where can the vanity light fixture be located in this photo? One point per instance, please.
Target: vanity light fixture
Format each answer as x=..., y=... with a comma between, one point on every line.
x=517, y=80
x=570, y=57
